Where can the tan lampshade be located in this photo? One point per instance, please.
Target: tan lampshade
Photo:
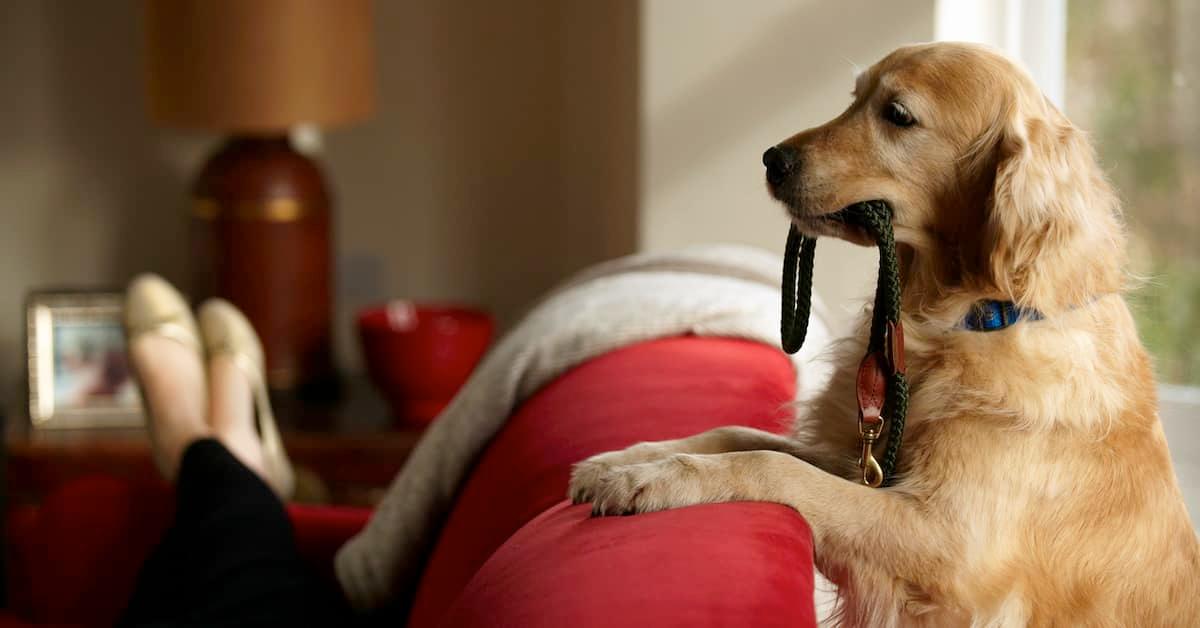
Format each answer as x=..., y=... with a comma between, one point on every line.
x=259, y=65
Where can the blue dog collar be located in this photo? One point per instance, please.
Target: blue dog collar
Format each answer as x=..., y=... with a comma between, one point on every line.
x=997, y=315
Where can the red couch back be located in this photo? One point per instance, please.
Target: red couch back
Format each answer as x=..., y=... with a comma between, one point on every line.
x=513, y=552
x=499, y=563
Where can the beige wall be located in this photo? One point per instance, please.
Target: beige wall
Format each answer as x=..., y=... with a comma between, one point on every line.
x=723, y=81
x=502, y=158
x=89, y=192
x=515, y=142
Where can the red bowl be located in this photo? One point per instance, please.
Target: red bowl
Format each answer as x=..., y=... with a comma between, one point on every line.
x=420, y=355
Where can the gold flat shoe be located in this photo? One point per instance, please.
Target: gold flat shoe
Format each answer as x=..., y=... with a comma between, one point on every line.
x=226, y=331
x=154, y=307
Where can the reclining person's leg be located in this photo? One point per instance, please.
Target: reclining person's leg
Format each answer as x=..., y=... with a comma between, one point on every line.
x=229, y=557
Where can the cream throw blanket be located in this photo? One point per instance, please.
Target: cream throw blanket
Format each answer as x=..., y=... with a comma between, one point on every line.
x=727, y=291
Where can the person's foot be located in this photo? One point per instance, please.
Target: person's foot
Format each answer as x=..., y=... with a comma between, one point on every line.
x=164, y=349
x=240, y=409
x=231, y=412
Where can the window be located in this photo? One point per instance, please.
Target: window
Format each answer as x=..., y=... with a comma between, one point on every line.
x=1128, y=73
x=1133, y=82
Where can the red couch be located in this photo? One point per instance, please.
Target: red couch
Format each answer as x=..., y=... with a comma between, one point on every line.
x=513, y=552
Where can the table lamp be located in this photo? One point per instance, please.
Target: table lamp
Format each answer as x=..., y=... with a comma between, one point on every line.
x=260, y=209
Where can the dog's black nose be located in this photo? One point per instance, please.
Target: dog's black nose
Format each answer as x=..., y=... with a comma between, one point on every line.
x=780, y=162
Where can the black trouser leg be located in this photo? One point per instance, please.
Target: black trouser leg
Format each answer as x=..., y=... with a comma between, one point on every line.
x=229, y=558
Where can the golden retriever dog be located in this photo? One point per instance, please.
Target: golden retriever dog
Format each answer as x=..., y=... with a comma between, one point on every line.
x=1034, y=485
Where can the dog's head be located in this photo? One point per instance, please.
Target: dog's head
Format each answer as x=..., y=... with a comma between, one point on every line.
x=993, y=190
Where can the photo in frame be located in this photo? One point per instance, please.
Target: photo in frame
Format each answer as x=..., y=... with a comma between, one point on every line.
x=79, y=371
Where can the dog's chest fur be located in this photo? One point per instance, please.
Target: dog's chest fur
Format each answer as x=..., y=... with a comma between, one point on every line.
x=1040, y=457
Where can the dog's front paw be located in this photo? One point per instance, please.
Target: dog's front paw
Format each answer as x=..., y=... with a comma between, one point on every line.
x=673, y=482
x=587, y=475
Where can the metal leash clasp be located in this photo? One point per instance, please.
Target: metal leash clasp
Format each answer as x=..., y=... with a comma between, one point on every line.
x=872, y=473
x=871, y=385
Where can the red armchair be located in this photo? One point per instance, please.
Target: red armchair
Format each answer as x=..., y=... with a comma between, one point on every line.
x=513, y=552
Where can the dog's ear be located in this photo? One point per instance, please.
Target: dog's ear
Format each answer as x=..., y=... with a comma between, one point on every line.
x=1051, y=238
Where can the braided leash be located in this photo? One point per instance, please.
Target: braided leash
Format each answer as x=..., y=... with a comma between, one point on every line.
x=881, y=395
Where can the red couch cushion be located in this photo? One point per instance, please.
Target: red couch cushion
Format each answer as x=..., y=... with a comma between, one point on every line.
x=321, y=531
x=74, y=559
x=651, y=391
x=743, y=564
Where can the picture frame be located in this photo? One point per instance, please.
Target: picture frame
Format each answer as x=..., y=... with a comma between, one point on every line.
x=78, y=369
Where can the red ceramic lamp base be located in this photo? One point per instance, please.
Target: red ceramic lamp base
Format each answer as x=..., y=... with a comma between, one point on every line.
x=261, y=227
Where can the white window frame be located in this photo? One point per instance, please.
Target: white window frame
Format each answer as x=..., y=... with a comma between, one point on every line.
x=1034, y=32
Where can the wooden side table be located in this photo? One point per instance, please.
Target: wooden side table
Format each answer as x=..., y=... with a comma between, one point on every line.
x=344, y=453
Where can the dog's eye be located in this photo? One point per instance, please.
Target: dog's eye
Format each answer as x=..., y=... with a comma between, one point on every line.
x=898, y=115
